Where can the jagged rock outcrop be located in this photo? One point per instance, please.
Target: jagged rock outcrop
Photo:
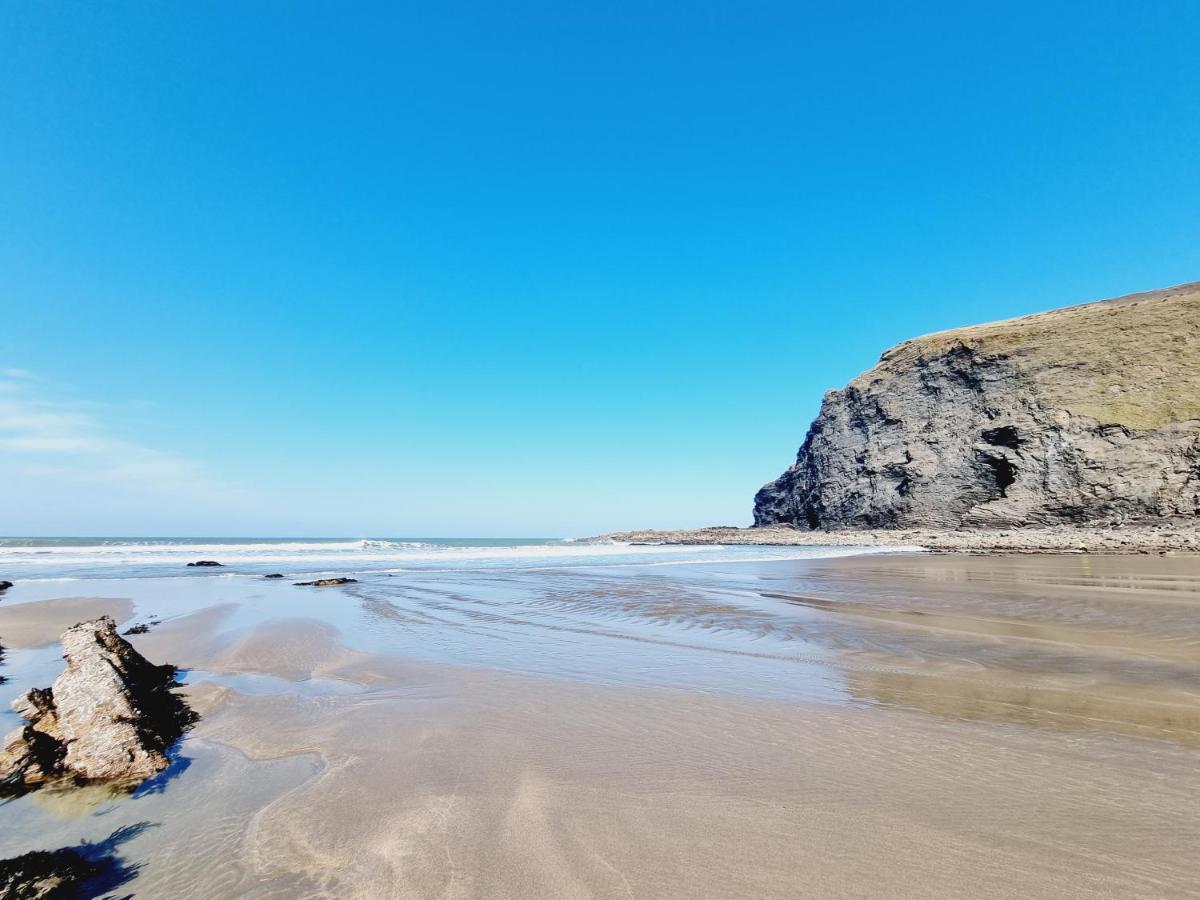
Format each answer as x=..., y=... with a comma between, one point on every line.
x=109, y=717
x=1084, y=414
x=325, y=582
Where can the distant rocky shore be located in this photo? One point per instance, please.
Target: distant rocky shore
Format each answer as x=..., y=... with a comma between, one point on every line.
x=1167, y=537
x=1072, y=430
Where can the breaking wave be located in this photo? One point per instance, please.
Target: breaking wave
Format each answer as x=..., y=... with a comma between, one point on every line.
x=44, y=558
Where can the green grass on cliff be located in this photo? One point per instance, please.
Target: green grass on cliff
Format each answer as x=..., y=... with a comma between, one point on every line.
x=1133, y=361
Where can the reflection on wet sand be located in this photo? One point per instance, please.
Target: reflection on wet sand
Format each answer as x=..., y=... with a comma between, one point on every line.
x=1011, y=697
x=1099, y=645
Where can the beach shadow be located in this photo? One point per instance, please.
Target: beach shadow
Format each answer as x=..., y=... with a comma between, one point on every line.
x=113, y=870
x=158, y=784
x=84, y=870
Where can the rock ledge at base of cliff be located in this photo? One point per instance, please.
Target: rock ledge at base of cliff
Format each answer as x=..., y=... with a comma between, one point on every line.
x=1179, y=536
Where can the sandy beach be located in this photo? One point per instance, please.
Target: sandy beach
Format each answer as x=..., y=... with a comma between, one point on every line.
x=885, y=725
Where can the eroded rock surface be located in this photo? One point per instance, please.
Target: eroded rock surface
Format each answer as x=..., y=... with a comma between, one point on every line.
x=109, y=717
x=1084, y=414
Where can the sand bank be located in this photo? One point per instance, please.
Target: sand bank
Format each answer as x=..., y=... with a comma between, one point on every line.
x=39, y=624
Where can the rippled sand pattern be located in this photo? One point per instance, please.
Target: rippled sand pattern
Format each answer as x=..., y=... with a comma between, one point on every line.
x=903, y=726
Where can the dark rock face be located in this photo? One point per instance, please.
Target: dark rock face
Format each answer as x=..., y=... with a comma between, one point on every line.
x=109, y=717
x=143, y=627
x=85, y=870
x=1084, y=414
x=204, y=563
x=326, y=582
x=45, y=874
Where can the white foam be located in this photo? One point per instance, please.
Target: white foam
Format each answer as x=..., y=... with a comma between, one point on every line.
x=148, y=557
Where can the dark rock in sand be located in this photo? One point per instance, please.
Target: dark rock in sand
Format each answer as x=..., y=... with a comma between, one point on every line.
x=85, y=870
x=109, y=717
x=273, y=575
x=1089, y=414
x=48, y=874
x=143, y=627
x=326, y=582
x=204, y=562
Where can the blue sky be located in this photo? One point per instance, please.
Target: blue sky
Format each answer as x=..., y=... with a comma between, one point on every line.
x=529, y=269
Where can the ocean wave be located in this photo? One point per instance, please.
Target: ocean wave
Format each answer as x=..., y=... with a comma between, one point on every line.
x=150, y=558
x=11, y=548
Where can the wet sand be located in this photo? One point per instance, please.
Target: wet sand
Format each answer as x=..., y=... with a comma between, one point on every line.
x=909, y=725
x=38, y=625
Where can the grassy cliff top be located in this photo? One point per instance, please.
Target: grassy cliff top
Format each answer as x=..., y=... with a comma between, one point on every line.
x=1132, y=361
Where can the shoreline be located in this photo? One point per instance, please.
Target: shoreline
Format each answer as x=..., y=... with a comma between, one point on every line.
x=1135, y=538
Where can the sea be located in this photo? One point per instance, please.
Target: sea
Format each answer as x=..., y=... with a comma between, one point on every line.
x=27, y=559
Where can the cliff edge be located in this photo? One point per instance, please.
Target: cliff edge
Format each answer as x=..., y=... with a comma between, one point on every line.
x=1085, y=414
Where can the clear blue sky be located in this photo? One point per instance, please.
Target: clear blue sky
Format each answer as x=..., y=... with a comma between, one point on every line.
x=534, y=268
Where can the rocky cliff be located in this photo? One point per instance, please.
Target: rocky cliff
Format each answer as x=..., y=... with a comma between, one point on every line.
x=1084, y=414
